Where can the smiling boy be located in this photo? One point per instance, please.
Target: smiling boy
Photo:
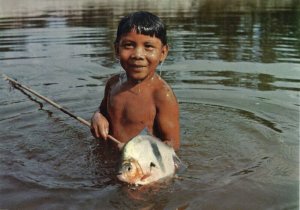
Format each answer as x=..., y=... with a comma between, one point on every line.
x=139, y=98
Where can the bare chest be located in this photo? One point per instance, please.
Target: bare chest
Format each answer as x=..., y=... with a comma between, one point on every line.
x=129, y=107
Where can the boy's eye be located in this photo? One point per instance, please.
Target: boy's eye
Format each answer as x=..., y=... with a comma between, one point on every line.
x=128, y=45
x=149, y=46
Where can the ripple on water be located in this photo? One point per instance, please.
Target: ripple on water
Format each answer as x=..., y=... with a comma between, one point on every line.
x=223, y=144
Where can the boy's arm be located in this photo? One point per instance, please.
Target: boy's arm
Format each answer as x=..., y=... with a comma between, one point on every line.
x=167, y=117
x=103, y=106
x=99, y=122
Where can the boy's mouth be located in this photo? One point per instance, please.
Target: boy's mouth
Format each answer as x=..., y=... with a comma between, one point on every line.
x=137, y=67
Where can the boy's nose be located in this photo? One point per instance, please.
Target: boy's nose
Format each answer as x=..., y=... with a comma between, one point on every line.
x=138, y=53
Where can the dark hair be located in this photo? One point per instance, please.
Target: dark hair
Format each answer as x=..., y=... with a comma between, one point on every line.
x=144, y=23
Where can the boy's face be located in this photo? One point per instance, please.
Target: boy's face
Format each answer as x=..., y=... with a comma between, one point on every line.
x=140, y=54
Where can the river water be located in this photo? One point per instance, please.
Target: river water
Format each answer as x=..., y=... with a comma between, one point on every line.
x=234, y=66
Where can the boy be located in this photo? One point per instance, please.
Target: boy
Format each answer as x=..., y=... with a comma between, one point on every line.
x=139, y=98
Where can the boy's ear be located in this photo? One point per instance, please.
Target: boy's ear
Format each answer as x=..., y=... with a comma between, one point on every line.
x=164, y=52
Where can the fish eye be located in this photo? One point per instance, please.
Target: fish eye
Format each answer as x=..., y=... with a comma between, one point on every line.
x=127, y=167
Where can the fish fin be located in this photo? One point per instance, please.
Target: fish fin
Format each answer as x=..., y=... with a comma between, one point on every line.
x=176, y=160
x=179, y=165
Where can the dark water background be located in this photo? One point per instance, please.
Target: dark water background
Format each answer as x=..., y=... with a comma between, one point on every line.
x=234, y=66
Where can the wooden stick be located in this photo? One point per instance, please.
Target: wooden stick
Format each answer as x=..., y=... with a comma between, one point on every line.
x=83, y=121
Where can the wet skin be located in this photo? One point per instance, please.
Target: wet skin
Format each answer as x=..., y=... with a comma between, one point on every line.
x=143, y=99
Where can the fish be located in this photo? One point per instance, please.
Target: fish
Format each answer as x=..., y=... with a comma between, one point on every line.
x=146, y=159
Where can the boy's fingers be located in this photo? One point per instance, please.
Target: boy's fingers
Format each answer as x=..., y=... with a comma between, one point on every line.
x=95, y=132
x=99, y=127
x=104, y=133
x=104, y=136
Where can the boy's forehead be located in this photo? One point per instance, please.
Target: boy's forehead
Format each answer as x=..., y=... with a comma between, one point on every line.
x=134, y=36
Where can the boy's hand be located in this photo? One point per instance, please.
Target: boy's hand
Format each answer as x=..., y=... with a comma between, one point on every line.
x=99, y=126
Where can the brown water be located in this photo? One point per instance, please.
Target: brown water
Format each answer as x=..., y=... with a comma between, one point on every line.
x=234, y=66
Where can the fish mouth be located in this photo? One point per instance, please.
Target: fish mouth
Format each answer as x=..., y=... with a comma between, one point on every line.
x=123, y=179
x=120, y=177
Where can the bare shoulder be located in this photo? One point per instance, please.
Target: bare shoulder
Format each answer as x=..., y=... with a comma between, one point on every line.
x=163, y=93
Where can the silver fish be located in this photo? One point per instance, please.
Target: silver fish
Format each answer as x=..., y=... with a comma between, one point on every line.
x=146, y=159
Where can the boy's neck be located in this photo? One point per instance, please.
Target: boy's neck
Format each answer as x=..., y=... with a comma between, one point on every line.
x=134, y=82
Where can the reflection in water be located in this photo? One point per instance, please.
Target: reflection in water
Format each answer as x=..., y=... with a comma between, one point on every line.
x=257, y=81
x=258, y=31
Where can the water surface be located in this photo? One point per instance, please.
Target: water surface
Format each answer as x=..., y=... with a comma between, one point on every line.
x=234, y=66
